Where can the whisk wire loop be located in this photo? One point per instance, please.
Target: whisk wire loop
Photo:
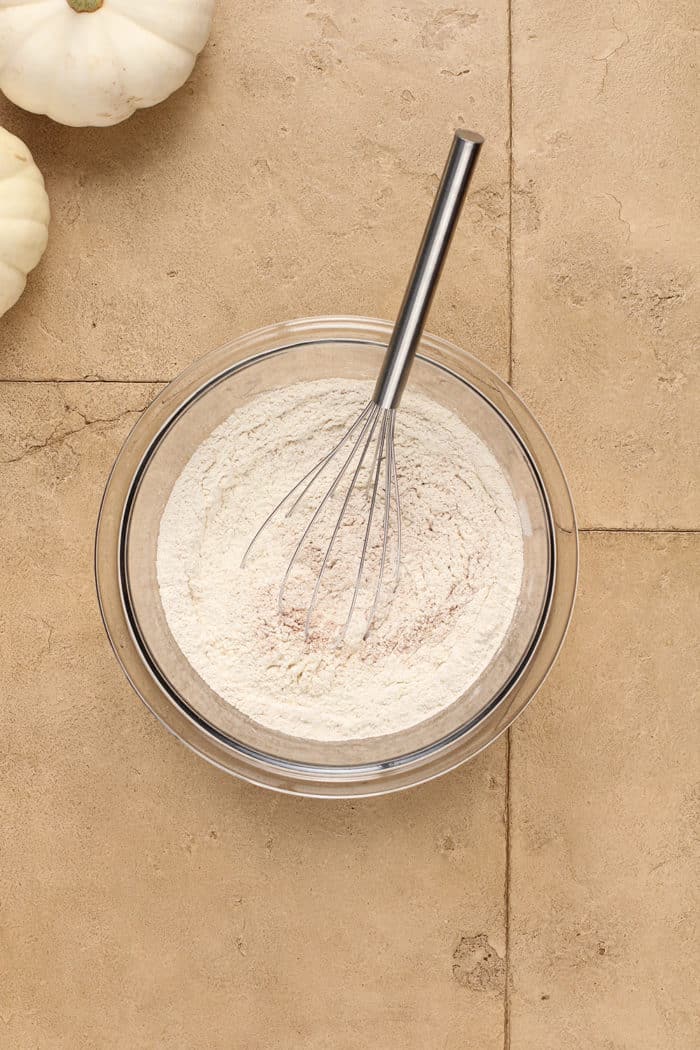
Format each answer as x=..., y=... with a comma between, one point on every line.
x=309, y=477
x=341, y=516
x=376, y=473
x=379, y=415
x=369, y=423
x=388, y=483
x=397, y=502
x=326, y=461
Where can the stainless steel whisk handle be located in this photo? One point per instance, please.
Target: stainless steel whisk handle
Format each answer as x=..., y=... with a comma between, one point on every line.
x=427, y=268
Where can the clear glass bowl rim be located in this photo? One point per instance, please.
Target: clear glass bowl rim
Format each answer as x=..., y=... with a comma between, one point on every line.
x=333, y=782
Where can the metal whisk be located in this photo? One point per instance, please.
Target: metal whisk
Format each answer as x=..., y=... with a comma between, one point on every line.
x=370, y=438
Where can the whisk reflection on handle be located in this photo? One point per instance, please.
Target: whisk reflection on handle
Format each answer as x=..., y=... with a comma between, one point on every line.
x=376, y=423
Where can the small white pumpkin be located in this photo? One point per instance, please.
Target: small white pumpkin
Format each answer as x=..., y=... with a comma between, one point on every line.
x=93, y=62
x=24, y=218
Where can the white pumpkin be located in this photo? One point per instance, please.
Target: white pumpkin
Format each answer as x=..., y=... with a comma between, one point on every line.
x=24, y=218
x=96, y=61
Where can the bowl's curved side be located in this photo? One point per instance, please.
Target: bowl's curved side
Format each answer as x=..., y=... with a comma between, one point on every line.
x=309, y=780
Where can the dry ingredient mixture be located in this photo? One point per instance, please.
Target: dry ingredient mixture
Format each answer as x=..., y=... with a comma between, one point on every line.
x=461, y=569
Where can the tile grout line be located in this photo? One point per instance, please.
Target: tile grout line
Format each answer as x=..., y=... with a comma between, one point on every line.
x=603, y=530
x=82, y=379
x=510, y=194
x=506, y=965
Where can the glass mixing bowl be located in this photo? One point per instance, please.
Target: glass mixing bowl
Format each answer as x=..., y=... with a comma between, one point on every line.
x=163, y=441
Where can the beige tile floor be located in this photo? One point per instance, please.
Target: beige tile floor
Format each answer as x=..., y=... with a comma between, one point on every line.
x=541, y=897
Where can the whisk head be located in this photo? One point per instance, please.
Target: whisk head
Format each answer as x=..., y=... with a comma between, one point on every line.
x=359, y=477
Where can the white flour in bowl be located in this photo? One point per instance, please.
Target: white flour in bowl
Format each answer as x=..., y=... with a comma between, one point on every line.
x=461, y=569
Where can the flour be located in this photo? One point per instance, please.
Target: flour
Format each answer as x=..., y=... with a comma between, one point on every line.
x=461, y=569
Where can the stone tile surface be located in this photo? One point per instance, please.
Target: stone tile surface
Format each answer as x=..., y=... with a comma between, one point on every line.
x=291, y=176
x=604, y=793
x=148, y=900
x=605, y=214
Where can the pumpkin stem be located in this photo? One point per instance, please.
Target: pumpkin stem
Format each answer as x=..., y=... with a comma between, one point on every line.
x=83, y=7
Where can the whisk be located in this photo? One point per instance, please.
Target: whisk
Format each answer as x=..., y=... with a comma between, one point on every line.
x=370, y=439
